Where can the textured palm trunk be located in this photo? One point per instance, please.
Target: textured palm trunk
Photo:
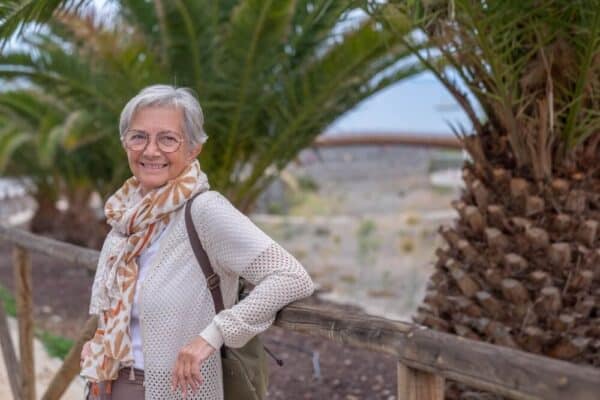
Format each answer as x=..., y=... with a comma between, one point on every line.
x=522, y=263
x=80, y=224
x=46, y=215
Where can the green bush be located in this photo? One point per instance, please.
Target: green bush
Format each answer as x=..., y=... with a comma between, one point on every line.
x=56, y=346
x=10, y=305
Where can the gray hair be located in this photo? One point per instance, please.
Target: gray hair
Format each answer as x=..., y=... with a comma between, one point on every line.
x=168, y=96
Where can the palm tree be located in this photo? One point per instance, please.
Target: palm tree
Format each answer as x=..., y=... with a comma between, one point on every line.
x=59, y=130
x=520, y=268
x=56, y=148
x=271, y=75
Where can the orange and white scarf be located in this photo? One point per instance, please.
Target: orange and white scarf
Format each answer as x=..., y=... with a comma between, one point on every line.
x=136, y=219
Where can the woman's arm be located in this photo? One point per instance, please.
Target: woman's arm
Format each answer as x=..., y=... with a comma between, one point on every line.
x=235, y=244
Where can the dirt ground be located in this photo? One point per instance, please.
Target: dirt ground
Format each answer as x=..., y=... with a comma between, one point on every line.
x=313, y=368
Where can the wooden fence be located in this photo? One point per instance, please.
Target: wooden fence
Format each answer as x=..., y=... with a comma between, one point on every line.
x=390, y=139
x=425, y=357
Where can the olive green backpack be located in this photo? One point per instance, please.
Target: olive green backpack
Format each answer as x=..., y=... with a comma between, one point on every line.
x=245, y=370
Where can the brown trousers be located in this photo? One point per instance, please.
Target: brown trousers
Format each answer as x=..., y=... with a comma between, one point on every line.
x=122, y=388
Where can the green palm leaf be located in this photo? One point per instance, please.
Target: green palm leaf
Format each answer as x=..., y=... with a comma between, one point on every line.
x=271, y=76
x=515, y=59
x=11, y=139
x=14, y=14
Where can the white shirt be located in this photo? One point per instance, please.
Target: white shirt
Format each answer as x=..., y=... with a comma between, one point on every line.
x=144, y=260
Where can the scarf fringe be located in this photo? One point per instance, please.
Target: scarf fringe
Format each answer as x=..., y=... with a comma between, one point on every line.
x=95, y=390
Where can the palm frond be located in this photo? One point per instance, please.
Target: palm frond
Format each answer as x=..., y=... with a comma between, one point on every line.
x=11, y=139
x=586, y=92
x=270, y=75
x=257, y=29
x=15, y=14
x=514, y=58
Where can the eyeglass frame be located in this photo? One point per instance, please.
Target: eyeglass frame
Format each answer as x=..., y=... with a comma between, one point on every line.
x=180, y=140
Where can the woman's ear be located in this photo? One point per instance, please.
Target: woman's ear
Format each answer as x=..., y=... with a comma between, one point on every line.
x=195, y=151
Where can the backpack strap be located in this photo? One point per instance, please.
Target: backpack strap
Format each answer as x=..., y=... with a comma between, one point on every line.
x=212, y=279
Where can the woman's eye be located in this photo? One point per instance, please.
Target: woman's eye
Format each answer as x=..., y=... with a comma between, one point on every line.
x=169, y=139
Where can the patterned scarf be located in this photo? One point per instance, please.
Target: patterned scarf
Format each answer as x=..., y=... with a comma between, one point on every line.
x=136, y=219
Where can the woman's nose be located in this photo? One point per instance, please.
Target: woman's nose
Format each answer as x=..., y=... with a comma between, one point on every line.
x=152, y=147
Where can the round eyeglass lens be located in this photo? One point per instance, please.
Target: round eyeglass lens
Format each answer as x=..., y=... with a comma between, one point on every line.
x=168, y=142
x=136, y=140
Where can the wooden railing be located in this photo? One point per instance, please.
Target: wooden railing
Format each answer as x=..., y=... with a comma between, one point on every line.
x=425, y=357
x=389, y=139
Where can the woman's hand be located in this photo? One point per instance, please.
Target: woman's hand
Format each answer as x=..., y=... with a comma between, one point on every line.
x=187, y=366
x=85, y=351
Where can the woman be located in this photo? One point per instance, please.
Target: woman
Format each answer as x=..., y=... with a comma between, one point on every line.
x=158, y=334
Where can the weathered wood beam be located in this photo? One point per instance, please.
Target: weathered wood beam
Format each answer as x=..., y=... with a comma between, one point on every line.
x=70, y=367
x=62, y=251
x=418, y=385
x=13, y=369
x=24, y=299
x=508, y=372
x=448, y=142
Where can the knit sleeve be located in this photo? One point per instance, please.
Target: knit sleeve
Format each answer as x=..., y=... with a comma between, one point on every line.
x=237, y=245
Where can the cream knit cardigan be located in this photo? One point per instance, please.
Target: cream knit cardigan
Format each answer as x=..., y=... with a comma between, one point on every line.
x=176, y=305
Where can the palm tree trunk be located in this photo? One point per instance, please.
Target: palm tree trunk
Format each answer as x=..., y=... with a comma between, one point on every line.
x=46, y=215
x=521, y=266
x=80, y=224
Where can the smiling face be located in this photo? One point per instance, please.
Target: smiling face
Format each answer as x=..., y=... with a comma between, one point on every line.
x=152, y=167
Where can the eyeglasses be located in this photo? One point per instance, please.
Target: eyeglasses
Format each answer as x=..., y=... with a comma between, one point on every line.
x=167, y=142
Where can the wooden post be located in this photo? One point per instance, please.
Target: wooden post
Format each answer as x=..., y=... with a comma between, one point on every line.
x=10, y=358
x=70, y=367
x=419, y=385
x=24, y=293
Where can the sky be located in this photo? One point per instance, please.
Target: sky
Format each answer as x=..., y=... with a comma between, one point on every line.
x=417, y=105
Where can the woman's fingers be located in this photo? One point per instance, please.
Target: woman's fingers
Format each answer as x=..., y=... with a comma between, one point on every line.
x=184, y=389
x=187, y=377
x=184, y=376
x=177, y=376
x=191, y=379
x=186, y=370
x=191, y=376
x=187, y=374
x=197, y=375
x=193, y=385
x=196, y=378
